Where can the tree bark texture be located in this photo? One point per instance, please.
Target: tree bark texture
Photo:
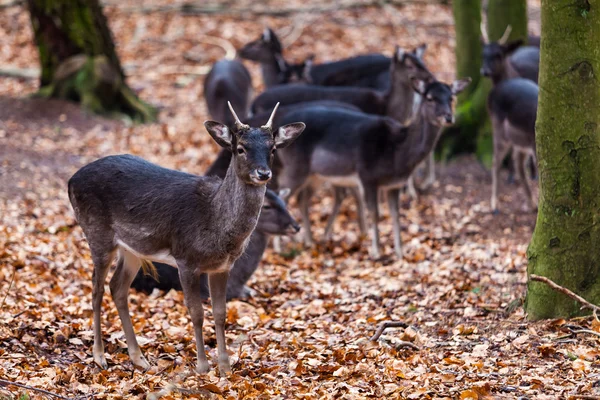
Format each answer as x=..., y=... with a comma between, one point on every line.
x=78, y=59
x=566, y=242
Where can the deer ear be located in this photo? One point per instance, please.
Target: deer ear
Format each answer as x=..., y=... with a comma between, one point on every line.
x=420, y=51
x=418, y=86
x=220, y=133
x=284, y=193
x=266, y=36
x=286, y=134
x=399, y=53
x=460, y=85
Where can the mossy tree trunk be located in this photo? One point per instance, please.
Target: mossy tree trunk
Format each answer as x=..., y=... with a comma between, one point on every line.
x=566, y=242
x=78, y=58
x=473, y=130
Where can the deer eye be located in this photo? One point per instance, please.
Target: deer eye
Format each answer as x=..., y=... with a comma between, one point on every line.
x=240, y=150
x=267, y=207
x=273, y=150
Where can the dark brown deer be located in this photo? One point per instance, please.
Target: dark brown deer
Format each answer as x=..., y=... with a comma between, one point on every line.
x=368, y=152
x=201, y=225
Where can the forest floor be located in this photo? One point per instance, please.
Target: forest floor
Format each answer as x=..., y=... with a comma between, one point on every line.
x=306, y=334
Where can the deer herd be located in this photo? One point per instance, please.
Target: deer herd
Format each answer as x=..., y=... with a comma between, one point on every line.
x=362, y=125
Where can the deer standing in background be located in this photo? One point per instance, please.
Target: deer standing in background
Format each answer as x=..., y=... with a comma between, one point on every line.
x=268, y=51
x=512, y=106
x=201, y=225
x=228, y=80
x=368, y=152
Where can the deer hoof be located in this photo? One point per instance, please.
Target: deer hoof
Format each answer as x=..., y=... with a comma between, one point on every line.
x=100, y=360
x=141, y=362
x=202, y=367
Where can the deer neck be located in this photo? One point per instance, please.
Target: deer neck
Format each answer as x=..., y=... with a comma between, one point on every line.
x=508, y=71
x=271, y=70
x=239, y=203
x=423, y=136
x=399, y=99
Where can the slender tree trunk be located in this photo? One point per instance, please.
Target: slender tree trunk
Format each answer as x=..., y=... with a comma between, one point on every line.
x=78, y=58
x=566, y=242
x=472, y=131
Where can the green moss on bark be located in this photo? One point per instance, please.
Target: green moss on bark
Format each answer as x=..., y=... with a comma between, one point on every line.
x=67, y=30
x=566, y=242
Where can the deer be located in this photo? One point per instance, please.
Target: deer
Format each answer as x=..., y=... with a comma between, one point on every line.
x=268, y=51
x=129, y=207
x=398, y=101
x=228, y=80
x=512, y=106
x=513, y=128
x=274, y=219
x=367, y=70
x=369, y=152
x=505, y=60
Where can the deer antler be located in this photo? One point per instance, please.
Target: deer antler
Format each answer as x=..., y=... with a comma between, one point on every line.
x=238, y=124
x=269, y=124
x=505, y=36
x=484, y=34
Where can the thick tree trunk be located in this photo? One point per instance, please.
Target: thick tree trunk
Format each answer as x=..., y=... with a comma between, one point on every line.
x=78, y=58
x=472, y=131
x=566, y=242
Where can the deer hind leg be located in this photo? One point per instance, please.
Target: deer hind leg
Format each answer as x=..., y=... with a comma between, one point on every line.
x=521, y=165
x=392, y=197
x=501, y=148
x=339, y=193
x=304, y=200
x=218, y=292
x=192, y=293
x=127, y=268
x=371, y=200
x=102, y=256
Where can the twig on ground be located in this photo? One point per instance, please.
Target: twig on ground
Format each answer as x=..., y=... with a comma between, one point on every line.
x=402, y=343
x=565, y=291
x=9, y=383
x=12, y=279
x=387, y=324
x=591, y=332
x=16, y=72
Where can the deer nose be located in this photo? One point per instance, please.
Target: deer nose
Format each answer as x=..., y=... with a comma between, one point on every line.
x=263, y=174
x=450, y=118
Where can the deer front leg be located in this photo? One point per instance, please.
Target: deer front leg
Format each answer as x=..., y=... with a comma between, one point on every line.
x=370, y=194
x=392, y=197
x=192, y=293
x=430, y=180
x=410, y=187
x=218, y=292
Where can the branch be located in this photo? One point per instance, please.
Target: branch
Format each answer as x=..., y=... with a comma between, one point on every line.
x=9, y=383
x=387, y=324
x=565, y=291
x=191, y=8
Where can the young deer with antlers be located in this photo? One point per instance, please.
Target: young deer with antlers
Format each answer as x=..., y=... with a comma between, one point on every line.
x=512, y=106
x=140, y=211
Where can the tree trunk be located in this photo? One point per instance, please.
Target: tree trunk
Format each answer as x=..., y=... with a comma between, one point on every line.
x=78, y=58
x=566, y=242
x=472, y=131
